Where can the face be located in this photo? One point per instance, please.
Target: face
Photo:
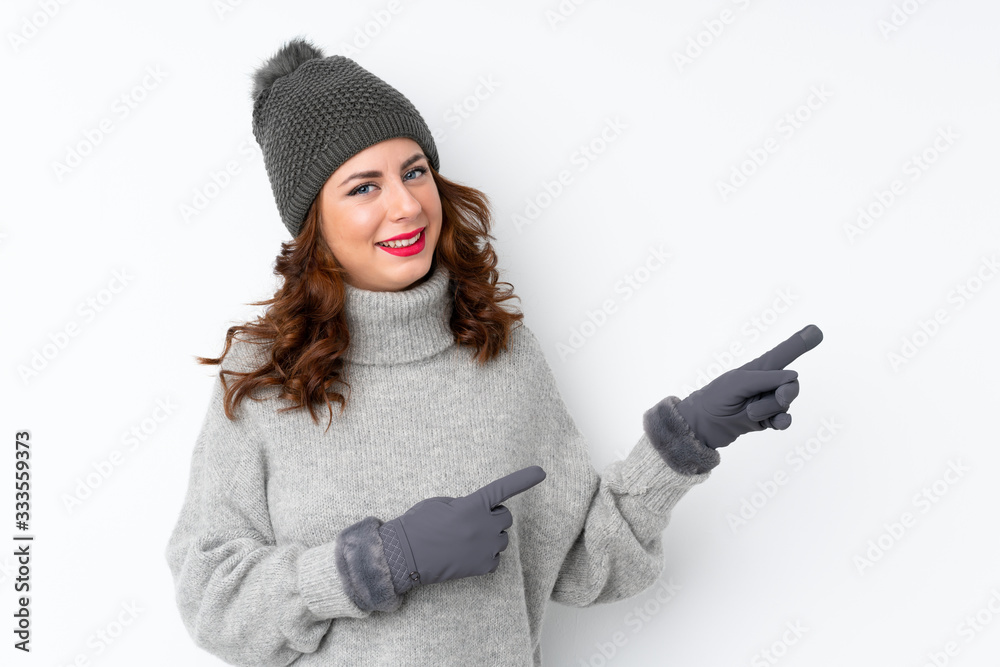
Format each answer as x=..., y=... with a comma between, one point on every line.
x=383, y=192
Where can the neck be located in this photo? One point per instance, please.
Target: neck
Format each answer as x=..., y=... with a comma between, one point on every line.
x=403, y=326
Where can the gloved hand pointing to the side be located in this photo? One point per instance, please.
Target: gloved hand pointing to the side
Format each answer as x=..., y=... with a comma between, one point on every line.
x=752, y=397
x=445, y=538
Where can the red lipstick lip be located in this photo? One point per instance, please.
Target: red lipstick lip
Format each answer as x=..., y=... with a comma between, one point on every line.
x=403, y=237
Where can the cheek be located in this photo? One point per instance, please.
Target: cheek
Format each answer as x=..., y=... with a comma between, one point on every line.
x=432, y=207
x=351, y=228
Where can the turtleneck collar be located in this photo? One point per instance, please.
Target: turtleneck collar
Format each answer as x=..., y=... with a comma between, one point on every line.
x=398, y=327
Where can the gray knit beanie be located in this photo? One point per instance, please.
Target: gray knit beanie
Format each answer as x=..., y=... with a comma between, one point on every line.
x=312, y=113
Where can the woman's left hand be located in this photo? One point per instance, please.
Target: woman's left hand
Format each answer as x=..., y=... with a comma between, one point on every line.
x=752, y=397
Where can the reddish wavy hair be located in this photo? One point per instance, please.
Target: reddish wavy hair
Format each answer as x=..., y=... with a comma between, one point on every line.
x=304, y=330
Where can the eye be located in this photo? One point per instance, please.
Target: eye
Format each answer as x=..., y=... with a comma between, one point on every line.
x=356, y=191
x=422, y=170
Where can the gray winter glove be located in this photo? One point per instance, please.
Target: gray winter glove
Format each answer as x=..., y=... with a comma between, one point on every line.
x=752, y=397
x=445, y=538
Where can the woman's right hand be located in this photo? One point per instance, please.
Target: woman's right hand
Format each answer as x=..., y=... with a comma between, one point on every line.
x=445, y=538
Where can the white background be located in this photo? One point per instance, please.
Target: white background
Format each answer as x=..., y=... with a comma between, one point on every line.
x=889, y=91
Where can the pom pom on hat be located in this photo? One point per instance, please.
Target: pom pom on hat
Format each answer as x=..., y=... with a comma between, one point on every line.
x=287, y=59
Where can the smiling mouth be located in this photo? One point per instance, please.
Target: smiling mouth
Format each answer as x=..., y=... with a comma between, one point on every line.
x=402, y=243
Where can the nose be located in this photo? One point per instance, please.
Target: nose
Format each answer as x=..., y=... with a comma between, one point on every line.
x=402, y=203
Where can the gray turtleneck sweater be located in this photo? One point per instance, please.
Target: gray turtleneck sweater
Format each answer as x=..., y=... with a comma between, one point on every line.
x=274, y=554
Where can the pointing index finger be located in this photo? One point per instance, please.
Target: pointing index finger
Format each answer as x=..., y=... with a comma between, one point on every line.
x=787, y=351
x=516, y=482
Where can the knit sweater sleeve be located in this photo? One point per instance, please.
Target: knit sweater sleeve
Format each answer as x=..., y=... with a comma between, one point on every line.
x=241, y=596
x=616, y=548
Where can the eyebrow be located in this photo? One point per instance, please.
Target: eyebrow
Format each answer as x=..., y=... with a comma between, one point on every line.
x=378, y=174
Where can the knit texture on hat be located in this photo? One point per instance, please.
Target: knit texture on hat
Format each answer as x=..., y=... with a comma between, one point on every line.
x=312, y=113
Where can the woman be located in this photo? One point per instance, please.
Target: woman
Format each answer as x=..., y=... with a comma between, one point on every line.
x=377, y=537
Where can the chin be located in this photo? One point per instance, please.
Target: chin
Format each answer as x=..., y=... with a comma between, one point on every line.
x=418, y=277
